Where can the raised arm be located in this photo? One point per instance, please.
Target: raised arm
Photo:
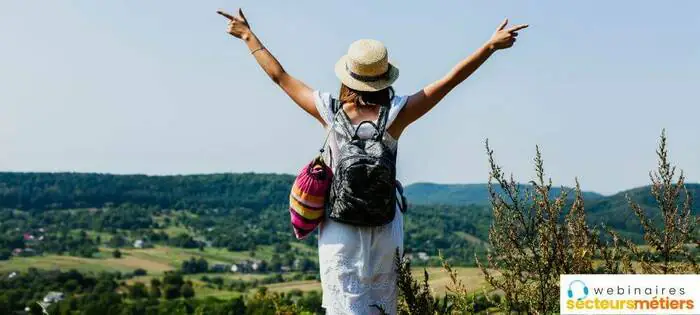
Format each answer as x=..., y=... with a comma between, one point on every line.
x=424, y=100
x=299, y=92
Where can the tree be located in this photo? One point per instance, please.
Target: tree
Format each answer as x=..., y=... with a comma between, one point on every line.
x=71, y=285
x=187, y=291
x=138, y=291
x=173, y=278
x=202, y=265
x=311, y=301
x=117, y=241
x=171, y=292
x=307, y=265
x=235, y=306
x=5, y=254
x=5, y=306
x=87, y=251
x=117, y=254
x=275, y=263
x=155, y=293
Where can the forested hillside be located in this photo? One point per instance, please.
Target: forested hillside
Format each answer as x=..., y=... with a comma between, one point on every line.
x=195, y=228
x=615, y=212
x=38, y=191
x=241, y=211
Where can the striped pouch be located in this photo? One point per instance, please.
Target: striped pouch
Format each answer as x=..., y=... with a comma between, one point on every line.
x=308, y=197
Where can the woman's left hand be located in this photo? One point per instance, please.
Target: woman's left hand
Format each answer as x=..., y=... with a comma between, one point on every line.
x=504, y=38
x=237, y=25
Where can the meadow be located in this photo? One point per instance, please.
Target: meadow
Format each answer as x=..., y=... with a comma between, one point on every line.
x=158, y=260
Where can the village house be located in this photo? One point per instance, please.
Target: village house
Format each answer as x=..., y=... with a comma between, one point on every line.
x=53, y=297
x=246, y=266
x=141, y=244
x=27, y=252
x=255, y=266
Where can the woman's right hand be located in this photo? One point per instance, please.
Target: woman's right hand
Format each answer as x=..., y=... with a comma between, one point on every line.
x=504, y=38
x=237, y=25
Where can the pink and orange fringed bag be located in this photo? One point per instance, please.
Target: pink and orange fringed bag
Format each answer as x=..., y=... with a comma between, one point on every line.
x=307, y=199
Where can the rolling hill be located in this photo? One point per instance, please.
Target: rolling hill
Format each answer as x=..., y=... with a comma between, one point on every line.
x=252, y=193
x=464, y=194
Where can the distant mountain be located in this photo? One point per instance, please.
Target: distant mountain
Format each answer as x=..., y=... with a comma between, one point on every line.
x=257, y=192
x=615, y=211
x=465, y=194
x=40, y=191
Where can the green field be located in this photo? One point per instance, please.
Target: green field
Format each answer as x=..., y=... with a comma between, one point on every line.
x=160, y=259
x=154, y=260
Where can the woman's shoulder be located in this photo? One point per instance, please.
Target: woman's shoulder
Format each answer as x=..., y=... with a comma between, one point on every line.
x=397, y=104
x=399, y=100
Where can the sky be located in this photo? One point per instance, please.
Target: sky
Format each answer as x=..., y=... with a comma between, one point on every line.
x=158, y=87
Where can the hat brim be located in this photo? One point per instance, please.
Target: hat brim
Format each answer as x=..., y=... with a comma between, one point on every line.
x=365, y=86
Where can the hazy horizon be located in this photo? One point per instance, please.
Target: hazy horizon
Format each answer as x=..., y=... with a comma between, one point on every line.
x=159, y=88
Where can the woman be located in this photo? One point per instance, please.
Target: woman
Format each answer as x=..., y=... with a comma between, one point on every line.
x=357, y=263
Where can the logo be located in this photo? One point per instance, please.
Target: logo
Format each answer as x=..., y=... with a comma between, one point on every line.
x=629, y=294
x=583, y=291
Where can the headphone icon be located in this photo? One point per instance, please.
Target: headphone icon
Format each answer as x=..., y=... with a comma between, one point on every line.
x=570, y=292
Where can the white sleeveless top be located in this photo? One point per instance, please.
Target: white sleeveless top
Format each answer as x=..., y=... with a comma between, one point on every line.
x=357, y=263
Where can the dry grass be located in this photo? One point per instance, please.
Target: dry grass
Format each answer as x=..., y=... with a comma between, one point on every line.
x=472, y=278
x=307, y=285
x=125, y=264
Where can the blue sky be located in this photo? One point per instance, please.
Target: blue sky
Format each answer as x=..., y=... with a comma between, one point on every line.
x=158, y=87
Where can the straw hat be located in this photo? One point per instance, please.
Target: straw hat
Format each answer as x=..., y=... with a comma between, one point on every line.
x=366, y=67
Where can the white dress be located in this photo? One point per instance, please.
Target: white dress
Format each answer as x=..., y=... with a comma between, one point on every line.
x=357, y=263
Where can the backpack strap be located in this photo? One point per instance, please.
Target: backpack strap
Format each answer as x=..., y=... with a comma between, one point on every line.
x=403, y=203
x=335, y=105
x=351, y=131
x=381, y=121
x=344, y=121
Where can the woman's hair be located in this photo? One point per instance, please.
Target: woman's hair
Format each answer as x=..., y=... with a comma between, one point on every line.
x=360, y=98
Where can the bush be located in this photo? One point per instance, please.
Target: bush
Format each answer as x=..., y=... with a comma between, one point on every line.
x=668, y=251
x=187, y=291
x=5, y=254
x=171, y=292
x=138, y=291
x=155, y=293
x=534, y=238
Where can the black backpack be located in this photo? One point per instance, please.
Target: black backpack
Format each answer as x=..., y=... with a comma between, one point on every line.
x=364, y=187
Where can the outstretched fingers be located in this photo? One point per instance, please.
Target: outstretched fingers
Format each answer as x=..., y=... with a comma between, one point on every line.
x=241, y=18
x=517, y=28
x=226, y=15
x=240, y=13
x=503, y=25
